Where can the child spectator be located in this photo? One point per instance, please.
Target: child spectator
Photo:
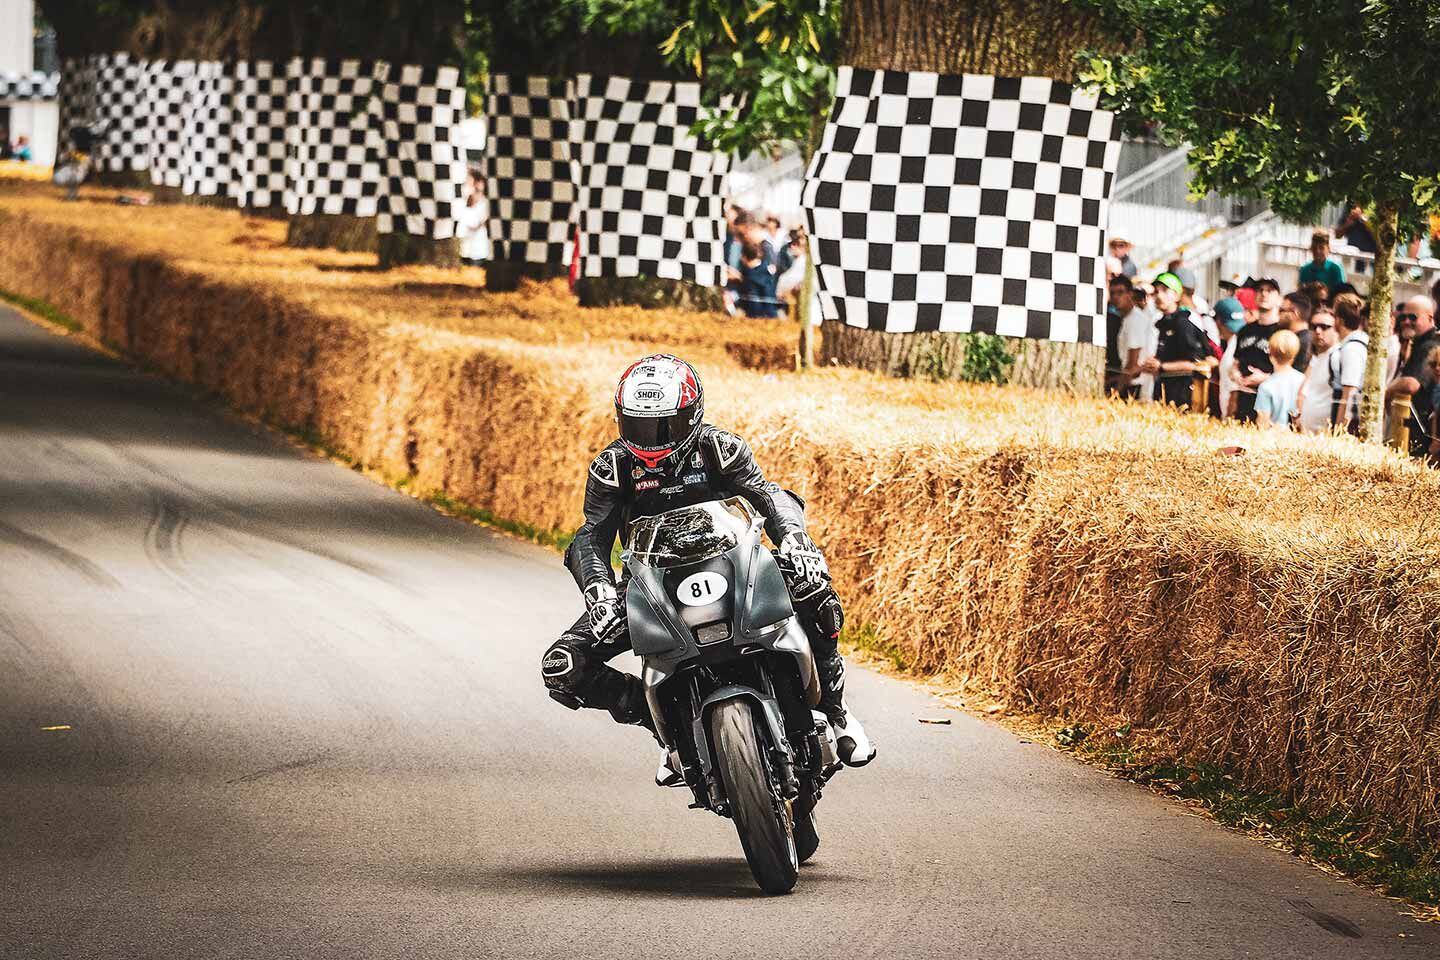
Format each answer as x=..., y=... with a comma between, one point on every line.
x=1276, y=398
x=756, y=293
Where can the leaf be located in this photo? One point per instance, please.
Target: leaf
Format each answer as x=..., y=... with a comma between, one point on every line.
x=668, y=46
x=764, y=37
x=760, y=11
x=728, y=32
x=787, y=90
x=814, y=40
x=785, y=45
x=699, y=66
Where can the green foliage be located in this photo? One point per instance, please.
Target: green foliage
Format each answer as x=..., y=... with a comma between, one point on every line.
x=767, y=67
x=986, y=359
x=1307, y=103
x=42, y=309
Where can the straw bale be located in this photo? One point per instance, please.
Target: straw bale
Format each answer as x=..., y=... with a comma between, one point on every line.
x=1274, y=612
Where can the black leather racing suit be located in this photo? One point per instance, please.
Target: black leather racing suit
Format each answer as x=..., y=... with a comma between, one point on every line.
x=621, y=489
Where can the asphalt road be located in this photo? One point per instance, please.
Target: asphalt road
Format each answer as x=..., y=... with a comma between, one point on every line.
x=303, y=719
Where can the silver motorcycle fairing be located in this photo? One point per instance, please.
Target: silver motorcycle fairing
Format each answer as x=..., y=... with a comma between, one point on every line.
x=761, y=614
x=787, y=637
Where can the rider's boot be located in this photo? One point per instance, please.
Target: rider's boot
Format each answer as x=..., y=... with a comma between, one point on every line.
x=630, y=707
x=851, y=742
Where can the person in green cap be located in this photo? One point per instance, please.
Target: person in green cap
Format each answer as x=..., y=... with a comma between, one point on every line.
x=1180, y=346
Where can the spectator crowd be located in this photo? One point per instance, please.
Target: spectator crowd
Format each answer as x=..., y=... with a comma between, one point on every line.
x=764, y=263
x=1285, y=360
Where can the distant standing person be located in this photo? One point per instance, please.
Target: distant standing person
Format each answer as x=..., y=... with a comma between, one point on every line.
x=1180, y=345
x=1320, y=268
x=1355, y=230
x=1416, y=323
x=1347, y=361
x=1295, y=316
x=1120, y=249
x=1252, y=349
x=1315, y=398
x=1275, y=399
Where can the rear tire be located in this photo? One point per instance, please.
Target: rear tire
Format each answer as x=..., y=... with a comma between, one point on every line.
x=763, y=825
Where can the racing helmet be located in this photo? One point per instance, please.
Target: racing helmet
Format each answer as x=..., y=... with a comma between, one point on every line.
x=658, y=407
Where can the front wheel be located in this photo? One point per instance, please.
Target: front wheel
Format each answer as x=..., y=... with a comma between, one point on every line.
x=761, y=818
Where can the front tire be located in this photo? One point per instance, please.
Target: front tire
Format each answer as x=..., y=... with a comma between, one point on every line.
x=760, y=817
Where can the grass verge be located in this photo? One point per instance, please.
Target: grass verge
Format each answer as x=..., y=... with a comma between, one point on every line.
x=41, y=309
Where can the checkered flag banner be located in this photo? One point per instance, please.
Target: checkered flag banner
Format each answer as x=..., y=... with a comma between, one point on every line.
x=963, y=203
x=167, y=85
x=649, y=198
x=207, y=160
x=258, y=115
x=119, y=102
x=35, y=85
x=333, y=153
x=527, y=167
x=419, y=115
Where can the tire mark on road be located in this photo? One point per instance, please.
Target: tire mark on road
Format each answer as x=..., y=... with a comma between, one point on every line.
x=163, y=534
x=280, y=768
x=63, y=555
x=1326, y=921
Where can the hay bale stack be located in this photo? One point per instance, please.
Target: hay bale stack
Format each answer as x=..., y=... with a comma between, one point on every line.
x=1073, y=555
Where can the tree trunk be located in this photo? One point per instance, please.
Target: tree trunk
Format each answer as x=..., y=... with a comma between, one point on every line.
x=398, y=249
x=334, y=231
x=1005, y=38
x=805, y=355
x=1382, y=286
x=648, y=292
x=504, y=276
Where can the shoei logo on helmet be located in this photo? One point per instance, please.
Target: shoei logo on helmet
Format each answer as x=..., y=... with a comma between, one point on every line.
x=658, y=405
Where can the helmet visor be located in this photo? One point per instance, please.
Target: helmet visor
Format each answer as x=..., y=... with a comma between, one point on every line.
x=655, y=433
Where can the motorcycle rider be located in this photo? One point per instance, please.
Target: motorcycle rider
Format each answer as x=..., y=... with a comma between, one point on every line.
x=668, y=457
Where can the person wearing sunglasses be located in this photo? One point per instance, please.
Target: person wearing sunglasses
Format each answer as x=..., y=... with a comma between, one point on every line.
x=1415, y=323
x=1313, y=415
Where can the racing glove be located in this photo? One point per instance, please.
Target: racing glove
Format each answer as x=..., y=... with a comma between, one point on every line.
x=607, y=616
x=811, y=573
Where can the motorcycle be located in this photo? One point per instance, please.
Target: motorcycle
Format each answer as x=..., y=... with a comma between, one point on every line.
x=730, y=679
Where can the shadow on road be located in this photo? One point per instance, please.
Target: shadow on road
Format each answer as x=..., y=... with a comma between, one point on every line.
x=693, y=878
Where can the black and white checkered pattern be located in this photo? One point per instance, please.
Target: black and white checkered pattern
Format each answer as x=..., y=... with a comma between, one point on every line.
x=650, y=195
x=528, y=174
x=77, y=96
x=16, y=87
x=963, y=203
x=120, y=103
x=258, y=113
x=333, y=156
x=419, y=115
x=167, y=86
x=207, y=147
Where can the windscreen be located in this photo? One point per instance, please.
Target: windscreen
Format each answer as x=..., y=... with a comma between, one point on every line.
x=689, y=534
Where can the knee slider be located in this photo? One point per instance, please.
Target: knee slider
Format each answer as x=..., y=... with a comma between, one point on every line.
x=563, y=668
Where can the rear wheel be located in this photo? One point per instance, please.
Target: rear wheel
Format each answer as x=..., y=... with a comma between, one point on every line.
x=760, y=816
